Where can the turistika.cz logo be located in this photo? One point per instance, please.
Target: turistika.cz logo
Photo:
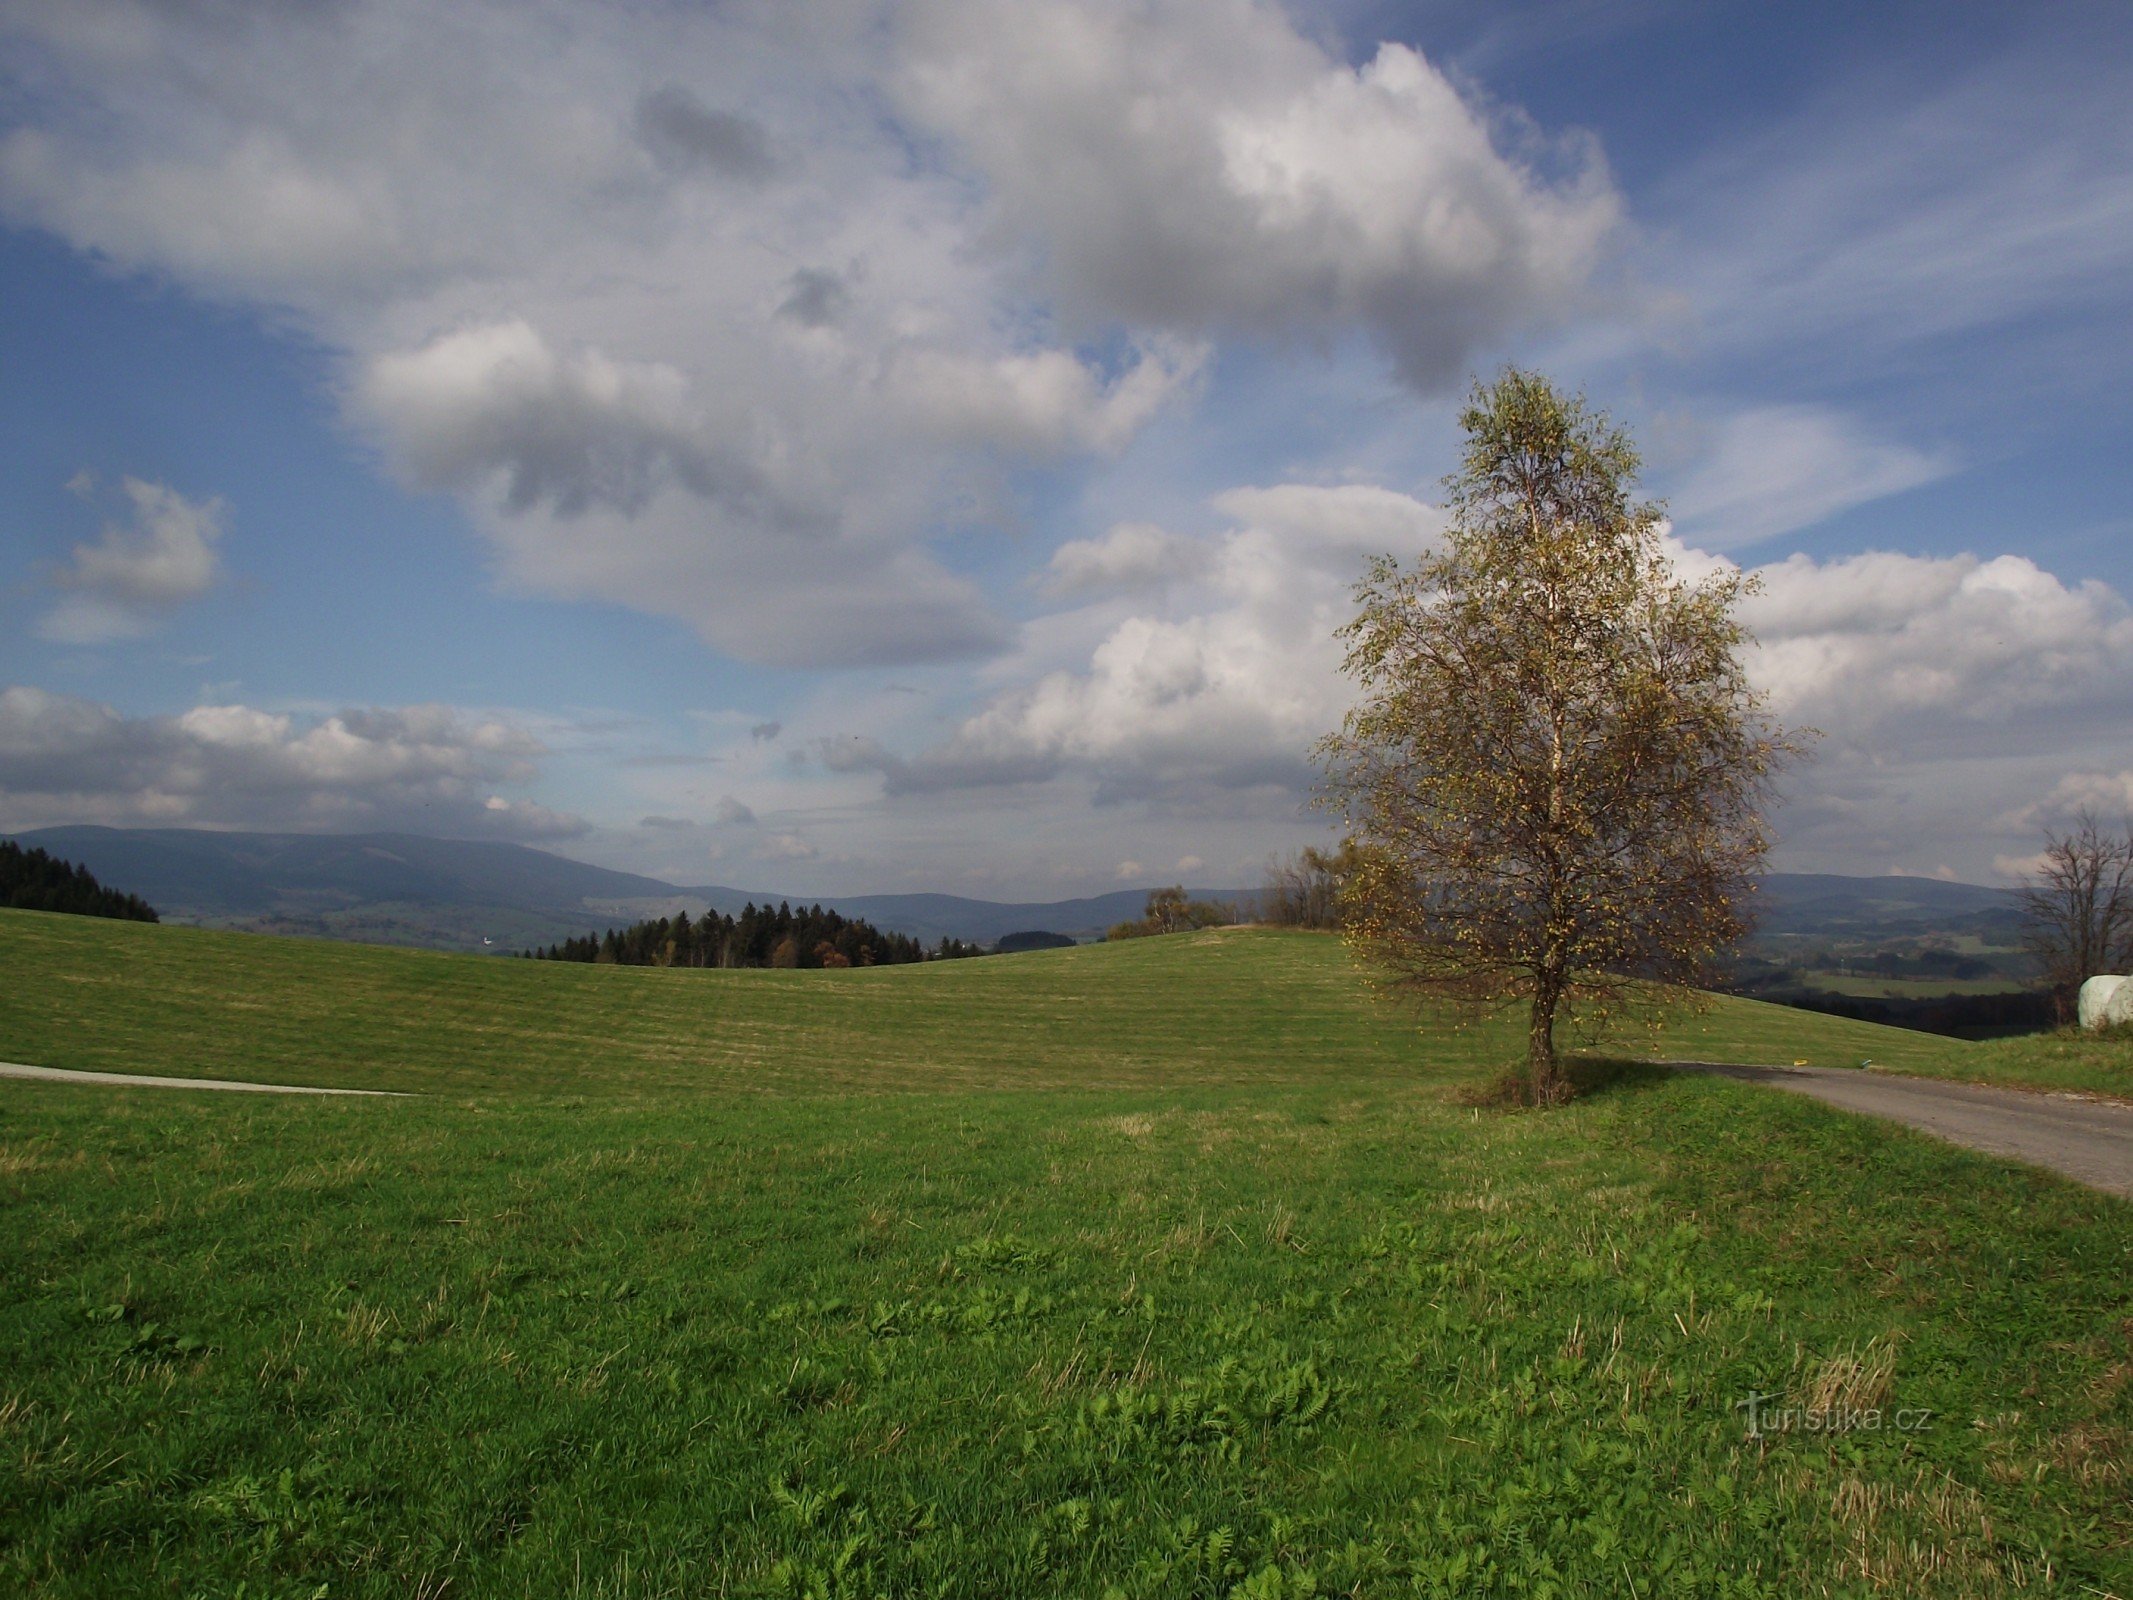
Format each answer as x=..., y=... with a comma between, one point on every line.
x=1765, y=1418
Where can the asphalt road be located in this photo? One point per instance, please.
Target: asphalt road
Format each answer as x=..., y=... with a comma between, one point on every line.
x=2090, y=1141
x=134, y=1080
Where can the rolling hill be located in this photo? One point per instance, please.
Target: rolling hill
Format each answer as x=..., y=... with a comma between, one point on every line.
x=396, y=888
x=1170, y=1267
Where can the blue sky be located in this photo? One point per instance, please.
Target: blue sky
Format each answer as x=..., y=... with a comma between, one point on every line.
x=864, y=446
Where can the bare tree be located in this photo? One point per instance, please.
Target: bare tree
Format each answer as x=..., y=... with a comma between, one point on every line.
x=1556, y=769
x=1304, y=890
x=2077, y=908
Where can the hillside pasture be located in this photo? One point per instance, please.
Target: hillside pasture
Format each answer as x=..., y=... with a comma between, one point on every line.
x=1174, y=1268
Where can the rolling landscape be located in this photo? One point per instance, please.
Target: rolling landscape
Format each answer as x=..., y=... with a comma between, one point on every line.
x=1179, y=1265
x=1085, y=800
x=464, y=894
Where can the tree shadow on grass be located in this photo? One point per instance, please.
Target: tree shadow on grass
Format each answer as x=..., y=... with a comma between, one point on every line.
x=1588, y=1077
x=1591, y=1076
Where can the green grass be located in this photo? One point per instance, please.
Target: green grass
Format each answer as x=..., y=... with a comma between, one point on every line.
x=1272, y=1007
x=1172, y=1268
x=2087, y=1063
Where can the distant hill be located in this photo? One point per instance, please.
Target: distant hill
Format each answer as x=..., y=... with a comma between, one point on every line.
x=381, y=887
x=398, y=888
x=1822, y=905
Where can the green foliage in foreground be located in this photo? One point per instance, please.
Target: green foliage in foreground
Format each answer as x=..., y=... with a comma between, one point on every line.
x=1174, y=1268
x=1271, y=1341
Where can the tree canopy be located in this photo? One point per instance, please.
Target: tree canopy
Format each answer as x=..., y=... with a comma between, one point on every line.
x=34, y=880
x=761, y=936
x=1555, y=772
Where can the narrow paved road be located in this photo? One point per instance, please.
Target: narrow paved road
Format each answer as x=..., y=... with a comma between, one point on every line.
x=134, y=1080
x=2090, y=1141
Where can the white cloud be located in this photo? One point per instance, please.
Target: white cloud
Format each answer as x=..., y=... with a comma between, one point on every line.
x=1226, y=693
x=2017, y=868
x=65, y=759
x=494, y=406
x=1902, y=649
x=1951, y=690
x=787, y=847
x=163, y=555
x=2107, y=794
x=1773, y=469
x=736, y=314
x=1206, y=167
x=1130, y=556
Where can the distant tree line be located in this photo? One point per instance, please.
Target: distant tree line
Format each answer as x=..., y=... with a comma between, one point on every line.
x=31, y=880
x=1960, y=1016
x=1033, y=939
x=761, y=936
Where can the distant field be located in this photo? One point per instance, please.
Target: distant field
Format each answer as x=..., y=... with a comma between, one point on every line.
x=1223, y=1006
x=1172, y=1268
x=1877, y=988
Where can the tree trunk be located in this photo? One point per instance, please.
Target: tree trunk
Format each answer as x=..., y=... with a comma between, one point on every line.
x=1542, y=1074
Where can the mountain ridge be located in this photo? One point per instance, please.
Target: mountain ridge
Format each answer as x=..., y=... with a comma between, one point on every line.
x=474, y=894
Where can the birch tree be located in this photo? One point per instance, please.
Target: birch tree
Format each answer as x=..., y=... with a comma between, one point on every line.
x=1557, y=767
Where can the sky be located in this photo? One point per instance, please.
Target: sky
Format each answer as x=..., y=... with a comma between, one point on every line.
x=842, y=446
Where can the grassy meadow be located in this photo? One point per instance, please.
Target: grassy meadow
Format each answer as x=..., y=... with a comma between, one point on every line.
x=1171, y=1268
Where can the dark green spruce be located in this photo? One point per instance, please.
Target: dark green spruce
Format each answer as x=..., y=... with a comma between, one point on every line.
x=31, y=880
x=761, y=936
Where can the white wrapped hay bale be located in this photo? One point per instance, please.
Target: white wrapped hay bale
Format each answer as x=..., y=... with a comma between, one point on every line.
x=2106, y=1001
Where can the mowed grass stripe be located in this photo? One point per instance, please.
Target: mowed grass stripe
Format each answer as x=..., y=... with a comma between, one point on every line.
x=1227, y=1006
x=1179, y=1271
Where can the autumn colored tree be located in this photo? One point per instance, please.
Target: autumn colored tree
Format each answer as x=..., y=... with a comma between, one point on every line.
x=1555, y=773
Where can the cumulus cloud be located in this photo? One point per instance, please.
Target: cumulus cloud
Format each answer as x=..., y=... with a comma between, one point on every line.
x=1952, y=691
x=161, y=555
x=787, y=847
x=1207, y=167
x=1958, y=649
x=736, y=316
x=67, y=759
x=1226, y=692
x=495, y=406
x=732, y=814
x=1130, y=556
